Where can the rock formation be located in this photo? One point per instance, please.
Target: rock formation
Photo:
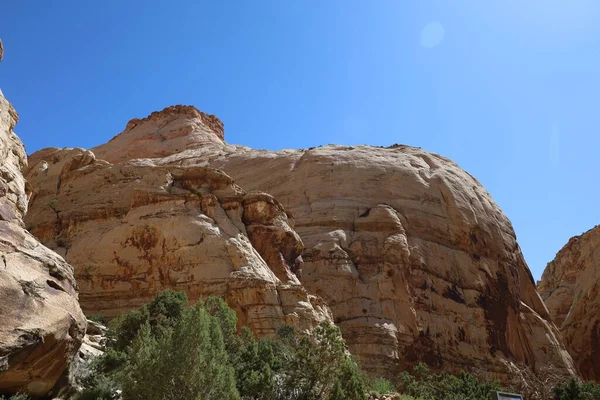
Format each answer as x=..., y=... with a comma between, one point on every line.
x=81, y=367
x=41, y=324
x=570, y=286
x=137, y=227
x=415, y=260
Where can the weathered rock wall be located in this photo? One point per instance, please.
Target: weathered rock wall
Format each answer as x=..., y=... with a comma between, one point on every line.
x=570, y=287
x=413, y=256
x=135, y=228
x=41, y=324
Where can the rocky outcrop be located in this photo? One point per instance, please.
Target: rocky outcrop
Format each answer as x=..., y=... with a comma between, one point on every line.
x=41, y=324
x=162, y=133
x=81, y=367
x=415, y=260
x=570, y=286
x=132, y=229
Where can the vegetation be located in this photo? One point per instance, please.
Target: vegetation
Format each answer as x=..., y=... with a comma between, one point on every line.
x=575, y=390
x=167, y=350
x=381, y=386
x=428, y=386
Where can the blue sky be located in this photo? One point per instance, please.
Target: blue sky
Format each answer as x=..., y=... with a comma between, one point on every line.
x=508, y=89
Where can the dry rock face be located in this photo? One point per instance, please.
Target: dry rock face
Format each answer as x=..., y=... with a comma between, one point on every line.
x=570, y=287
x=415, y=260
x=136, y=227
x=412, y=255
x=41, y=324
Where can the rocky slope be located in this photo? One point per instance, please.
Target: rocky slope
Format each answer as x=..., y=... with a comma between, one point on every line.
x=415, y=260
x=41, y=324
x=570, y=286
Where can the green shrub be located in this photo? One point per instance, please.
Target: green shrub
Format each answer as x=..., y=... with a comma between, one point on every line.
x=256, y=364
x=318, y=367
x=101, y=388
x=187, y=361
x=161, y=313
x=167, y=350
x=381, y=386
x=575, y=390
x=423, y=384
x=166, y=309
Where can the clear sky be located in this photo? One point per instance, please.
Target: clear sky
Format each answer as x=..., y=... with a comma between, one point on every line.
x=507, y=88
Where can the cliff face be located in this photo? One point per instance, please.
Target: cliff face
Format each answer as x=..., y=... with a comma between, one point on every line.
x=415, y=260
x=570, y=286
x=134, y=228
x=413, y=256
x=41, y=324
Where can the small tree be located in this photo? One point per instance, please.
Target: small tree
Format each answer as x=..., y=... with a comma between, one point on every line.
x=167, y=351
x=187, y=361
x=319, y=367
x=575, y=390
x=428, y=386
x=256, y=367
x=163, y=312
x=381, y=386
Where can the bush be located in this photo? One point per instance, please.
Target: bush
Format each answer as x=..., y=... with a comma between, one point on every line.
x=167, y=350
x=161, y=313
x=381, y=386
x=575, y=390
x=187, y=361
x=297, y=367
x=256, y=364
x=102, y=388
x=318, y=367
x=428, y=386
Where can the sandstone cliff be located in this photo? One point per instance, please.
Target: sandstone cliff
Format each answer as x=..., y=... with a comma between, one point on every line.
x=570, y=286
x=137, y=227
x=415, y=260
x=41, y=324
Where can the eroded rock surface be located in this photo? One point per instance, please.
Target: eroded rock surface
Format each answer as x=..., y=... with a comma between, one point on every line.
x=412, y=255
x=135, y=228
x=570, y=287
x=410, y=252
x=41, y=324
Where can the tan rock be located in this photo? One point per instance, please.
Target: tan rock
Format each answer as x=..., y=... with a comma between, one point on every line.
x=135, y=228
x=410, y=252
x=570, y=287
x=173, y=129
x=41, y=324
x=81, y=368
